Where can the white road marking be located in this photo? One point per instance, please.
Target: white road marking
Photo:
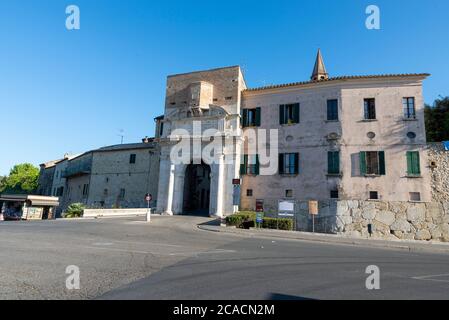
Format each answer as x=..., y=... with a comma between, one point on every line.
x=430, y=277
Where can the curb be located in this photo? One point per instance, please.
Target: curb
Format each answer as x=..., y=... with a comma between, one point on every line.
x=415, y=246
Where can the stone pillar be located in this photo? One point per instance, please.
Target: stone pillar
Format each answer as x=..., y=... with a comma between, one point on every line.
x=220, y=188
x=166, y=186
x=178, y=193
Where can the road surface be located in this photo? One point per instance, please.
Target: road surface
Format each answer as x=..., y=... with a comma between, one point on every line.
x=125, y=258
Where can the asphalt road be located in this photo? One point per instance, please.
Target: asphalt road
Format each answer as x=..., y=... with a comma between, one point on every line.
x=172, y=259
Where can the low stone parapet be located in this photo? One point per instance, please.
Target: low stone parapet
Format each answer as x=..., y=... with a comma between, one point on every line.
x=97, y=213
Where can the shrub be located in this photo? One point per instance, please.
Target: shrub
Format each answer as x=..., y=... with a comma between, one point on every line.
x=242, y=220
x=281, y=224
x=75, y=210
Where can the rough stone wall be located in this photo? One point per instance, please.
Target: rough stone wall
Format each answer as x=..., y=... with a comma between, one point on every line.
x=439, y=166
x=394, y=220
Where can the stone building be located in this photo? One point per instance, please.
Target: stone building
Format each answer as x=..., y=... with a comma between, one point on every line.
x=46, y=174
x=113, y=177
x=346, y=138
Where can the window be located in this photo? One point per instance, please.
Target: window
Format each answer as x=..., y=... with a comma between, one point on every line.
x=289, y=113
x=161, y=129
x=249, y=192
x=333, y=162
x=249, y=165
x=332, y=110
x=409, y=108
x=289, y=193
x=132, y=158
x=121, y=195
x=334, y=194
x=415, y=196
x=60, y=192
x=373, y=195
x=105, y=192
x=413, y=165
x=372, y=163
x=251, y=117
x=370, y=109
x=85, y=189
x=289, y=163
x=228, y=98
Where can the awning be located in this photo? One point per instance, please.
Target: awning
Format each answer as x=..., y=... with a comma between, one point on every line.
x=43, y=203
x=37, y=201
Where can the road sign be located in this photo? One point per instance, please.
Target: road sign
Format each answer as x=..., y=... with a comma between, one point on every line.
x=259, y=217
x=236, y=195
x=313, y=208
x=148, y=197
x=236, y=181
x=259, y=205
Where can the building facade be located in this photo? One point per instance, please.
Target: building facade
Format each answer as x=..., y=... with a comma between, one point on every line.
x=347, y=138
x=112, y=177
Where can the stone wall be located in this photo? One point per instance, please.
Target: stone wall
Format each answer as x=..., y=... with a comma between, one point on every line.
x=439, y=166
x=394, y=220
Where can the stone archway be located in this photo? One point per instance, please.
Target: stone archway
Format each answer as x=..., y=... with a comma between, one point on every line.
x=197, y=182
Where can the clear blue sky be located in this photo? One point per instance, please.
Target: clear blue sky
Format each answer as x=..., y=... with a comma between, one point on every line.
x=71, y=91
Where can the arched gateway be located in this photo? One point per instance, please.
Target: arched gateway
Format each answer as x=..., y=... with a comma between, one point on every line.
x=200, y=107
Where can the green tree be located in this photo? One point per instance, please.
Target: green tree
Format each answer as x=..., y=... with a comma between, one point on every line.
x=23, y=178
x=2, y=182
x=437, y=120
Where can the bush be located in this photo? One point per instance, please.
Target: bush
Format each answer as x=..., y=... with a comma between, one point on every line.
x=75, y=210
x=242, y=220
x=281, y=224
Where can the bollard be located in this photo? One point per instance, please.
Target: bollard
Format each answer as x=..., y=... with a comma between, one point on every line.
x=149, y=215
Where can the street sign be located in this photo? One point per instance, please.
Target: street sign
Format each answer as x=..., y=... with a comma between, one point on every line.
x=259, y=217
x=313, y=208
x=259, y=205
x=148, y=197
x=236, y=181
x=236, y=195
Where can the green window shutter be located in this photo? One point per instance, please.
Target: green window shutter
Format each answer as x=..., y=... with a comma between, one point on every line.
x=281, y=114
x=245, y=118
x=409, y=163
x=337, y=162
x=258, y=114
x=257, y=169
x=413, y=163
x=417, y=166
x=333, y=164
x=296, y=113
x=281, y=163
x=243, y=165
x=296, y=163
x=382, y=171
x=362, y=163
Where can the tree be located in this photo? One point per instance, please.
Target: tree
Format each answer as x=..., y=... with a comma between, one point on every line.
x=2, y=182
x=23, y=178
x=437, y=120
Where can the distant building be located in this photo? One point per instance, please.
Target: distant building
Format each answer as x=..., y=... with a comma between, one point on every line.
x=117, y=176
x=45, y=182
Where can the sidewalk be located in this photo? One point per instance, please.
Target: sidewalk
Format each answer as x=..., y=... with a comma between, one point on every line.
x=409, y=245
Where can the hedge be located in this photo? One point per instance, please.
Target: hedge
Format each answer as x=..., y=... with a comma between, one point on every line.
x=281, y=224
x=242, y=220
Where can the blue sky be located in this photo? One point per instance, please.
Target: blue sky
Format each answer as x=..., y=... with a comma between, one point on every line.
x=71, y=91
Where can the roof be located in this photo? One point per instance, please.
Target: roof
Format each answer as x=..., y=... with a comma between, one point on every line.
x=50, y=164
x=209, y=70
x=126, y=146
x=341, y=78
